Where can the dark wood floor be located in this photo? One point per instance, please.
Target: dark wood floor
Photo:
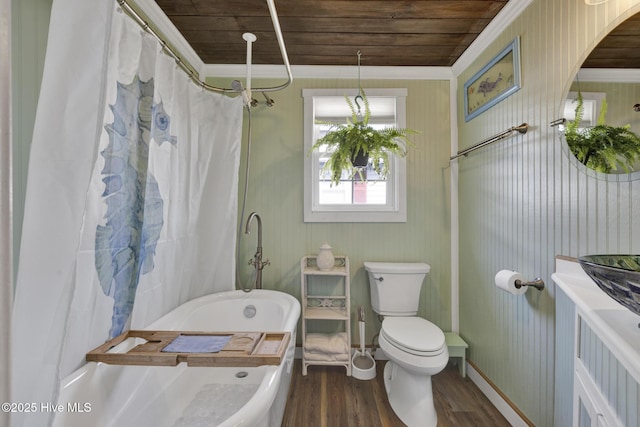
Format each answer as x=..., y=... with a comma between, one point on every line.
x=326, y=397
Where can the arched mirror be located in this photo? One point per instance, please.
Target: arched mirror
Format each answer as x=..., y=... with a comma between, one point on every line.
x=604, y=138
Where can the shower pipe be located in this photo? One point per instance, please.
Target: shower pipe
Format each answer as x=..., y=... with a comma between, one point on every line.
x=194, y=76
x=522, y=129
x=254, y=278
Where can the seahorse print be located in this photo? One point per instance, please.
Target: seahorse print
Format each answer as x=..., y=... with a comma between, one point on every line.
x=126, y=244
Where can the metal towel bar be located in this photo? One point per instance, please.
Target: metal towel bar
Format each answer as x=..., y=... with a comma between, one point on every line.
x=522, y=129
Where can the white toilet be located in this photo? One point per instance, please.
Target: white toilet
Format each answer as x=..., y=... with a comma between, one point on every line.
x=415, y=347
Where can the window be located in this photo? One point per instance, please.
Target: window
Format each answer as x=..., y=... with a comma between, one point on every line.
x=591, y=102
x=353, y=200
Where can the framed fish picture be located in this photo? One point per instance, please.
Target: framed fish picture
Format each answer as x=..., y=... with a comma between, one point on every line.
x=494, y=82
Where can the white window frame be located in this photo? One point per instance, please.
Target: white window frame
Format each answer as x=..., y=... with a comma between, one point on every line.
x=592, y=104
x=396, y=208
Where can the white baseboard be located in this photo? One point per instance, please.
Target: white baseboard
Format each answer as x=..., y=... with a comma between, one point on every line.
x=494, y=397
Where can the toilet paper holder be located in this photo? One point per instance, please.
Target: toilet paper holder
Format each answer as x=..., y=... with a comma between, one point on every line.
x=537, y=283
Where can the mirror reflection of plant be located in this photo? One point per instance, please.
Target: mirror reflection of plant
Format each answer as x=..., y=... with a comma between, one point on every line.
x=602, y=148
x=344, y=141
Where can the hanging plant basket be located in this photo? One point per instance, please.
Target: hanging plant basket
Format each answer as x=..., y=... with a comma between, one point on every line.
x=602, y=148
x=359, y=159
x=356, y=136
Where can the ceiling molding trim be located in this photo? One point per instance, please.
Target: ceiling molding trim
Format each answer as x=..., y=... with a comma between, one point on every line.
x=505, y=17
x=170, y=33
x=329, y=72
x=610, y=75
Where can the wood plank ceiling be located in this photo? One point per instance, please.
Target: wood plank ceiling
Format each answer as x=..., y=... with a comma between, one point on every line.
x=620, y=49
x=386, y=32
x=331, y=32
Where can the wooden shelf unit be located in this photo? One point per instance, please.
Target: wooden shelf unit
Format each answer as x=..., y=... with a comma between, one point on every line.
x=321, y=307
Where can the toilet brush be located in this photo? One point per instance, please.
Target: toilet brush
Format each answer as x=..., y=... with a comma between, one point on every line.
x=361, y=359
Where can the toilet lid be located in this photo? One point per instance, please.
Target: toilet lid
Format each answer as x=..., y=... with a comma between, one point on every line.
x=415, y=334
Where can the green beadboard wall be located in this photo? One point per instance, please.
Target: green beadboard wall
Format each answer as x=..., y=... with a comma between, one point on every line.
x=276, y=192
x=523, y=200
x=29, y=31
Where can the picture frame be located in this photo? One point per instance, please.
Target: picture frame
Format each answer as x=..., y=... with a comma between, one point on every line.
x=497, y=80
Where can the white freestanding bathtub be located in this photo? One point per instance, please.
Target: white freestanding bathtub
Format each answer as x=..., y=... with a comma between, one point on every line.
x=104, y=395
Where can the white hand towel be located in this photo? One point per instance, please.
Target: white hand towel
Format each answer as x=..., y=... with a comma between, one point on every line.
x=327, y=343
x=324, y=357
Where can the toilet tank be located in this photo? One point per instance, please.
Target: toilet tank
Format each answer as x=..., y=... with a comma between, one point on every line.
x=395, y=286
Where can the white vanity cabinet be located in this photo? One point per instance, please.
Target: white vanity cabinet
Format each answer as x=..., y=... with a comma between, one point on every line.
x=597, y=392
x=597, y=354
x=590, y=409
x=326, y=299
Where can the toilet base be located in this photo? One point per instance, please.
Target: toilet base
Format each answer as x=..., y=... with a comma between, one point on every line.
x=410, y=396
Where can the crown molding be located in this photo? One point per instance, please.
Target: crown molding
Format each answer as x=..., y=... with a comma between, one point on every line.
x=505, y=17
x=610, y=75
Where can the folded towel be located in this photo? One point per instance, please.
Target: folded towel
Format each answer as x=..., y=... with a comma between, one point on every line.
x=197, y=344
x=327, y=343
x=324, y=357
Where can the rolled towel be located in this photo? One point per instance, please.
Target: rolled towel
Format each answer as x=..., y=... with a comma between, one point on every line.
x=327, y=343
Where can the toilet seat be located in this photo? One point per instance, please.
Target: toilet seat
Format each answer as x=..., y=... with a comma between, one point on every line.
x=414, y=335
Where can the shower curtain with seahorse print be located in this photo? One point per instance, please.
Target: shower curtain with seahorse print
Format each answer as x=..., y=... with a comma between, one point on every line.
x=131, y=196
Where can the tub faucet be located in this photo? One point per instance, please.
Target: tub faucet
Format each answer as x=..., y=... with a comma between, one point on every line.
x=257, y=262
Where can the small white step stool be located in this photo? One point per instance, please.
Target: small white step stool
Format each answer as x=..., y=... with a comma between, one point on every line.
x=457, y=348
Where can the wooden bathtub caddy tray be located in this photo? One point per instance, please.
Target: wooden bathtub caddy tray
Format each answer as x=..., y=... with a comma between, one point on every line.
x=244, y=349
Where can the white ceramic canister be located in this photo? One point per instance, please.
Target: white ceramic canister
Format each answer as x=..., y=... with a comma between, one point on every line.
x=325, y=260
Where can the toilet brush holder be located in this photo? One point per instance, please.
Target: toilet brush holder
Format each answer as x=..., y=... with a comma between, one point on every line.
x=363, y=366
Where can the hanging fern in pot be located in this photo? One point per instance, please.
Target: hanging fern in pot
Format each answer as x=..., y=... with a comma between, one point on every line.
x=348, y=143
x=602, y=148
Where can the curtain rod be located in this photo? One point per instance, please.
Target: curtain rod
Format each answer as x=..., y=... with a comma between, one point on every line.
x=193, y=74
x=522, y=129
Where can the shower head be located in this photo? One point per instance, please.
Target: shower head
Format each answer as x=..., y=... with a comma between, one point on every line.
x=236, y=85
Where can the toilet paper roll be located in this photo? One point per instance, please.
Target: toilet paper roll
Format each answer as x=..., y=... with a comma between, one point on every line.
x=506, y=280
